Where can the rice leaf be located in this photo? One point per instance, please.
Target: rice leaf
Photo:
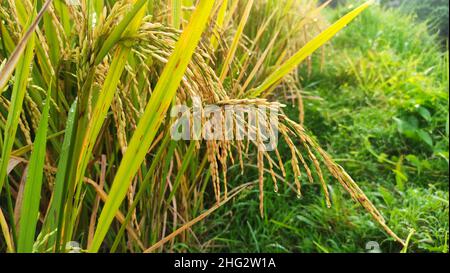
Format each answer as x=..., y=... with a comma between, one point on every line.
x=54, y=217
x=235, y=43
x=153, y=116
x=130, y=21
x=109, y=88
x=6, y=235
x=307, y=50
x=8, y=69
x=98, y=6
x=205, y=214
x=219, y=24
x=15, y=108
x=33, y=185
x=63, y=12
x=52, y=38
x=8, y=43
x=176, y=13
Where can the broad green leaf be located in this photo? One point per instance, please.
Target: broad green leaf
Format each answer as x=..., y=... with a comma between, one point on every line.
x=425, y=137
x=424, y=113
x=406, y=127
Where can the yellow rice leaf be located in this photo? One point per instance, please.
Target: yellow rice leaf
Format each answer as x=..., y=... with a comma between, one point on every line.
x=235, y=43
x=307, y=50
x=152, y=118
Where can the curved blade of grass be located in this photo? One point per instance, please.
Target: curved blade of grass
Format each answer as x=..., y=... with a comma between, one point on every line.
x=307, y=50
x=100, y=109
x=15, y=108
x=219, y=24
x=153, y=116
x=6, y=234
x=130, y=21
x=8, y=69
x=235, y=43
x=186, y=160
x=63, y=12
x=52, y=38
x=177, y=13
x=143, y=187
x=109, y=88
x=33, y=185
x=88, y=128
x=54, y=217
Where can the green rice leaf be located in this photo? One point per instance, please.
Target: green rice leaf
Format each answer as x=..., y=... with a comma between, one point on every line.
x=235, y=43
x=127, y=23
x=15, y=108
x=176, y=13
x=33, y=185
x=152, y=118
x=306, y=51
x=109, y=88
x=54, y=217
x=8, y=69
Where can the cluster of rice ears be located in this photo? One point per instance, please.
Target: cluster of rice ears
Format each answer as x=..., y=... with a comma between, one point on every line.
x=86, y=153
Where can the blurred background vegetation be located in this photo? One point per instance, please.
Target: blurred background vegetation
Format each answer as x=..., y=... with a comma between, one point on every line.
x=434, y=12
x=380, y=100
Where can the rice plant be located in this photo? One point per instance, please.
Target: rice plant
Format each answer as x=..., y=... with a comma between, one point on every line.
x=86, y=91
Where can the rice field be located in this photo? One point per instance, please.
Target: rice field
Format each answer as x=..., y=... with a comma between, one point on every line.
x=87, y=95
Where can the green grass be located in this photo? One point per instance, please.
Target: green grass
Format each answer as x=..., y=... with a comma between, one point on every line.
x=382, y=104
x=433, y=12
